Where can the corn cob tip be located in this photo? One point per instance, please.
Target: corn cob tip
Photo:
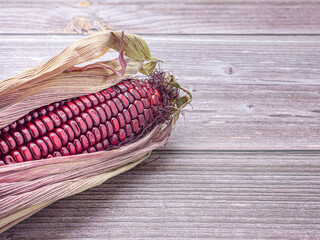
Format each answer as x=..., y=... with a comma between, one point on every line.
x=173, y=102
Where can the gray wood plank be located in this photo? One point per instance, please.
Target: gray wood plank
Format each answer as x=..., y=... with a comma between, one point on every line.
x=174, y=17
x=250, y=92
x=204, y=195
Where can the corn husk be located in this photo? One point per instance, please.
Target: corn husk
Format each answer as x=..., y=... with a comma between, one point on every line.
x=27, y=187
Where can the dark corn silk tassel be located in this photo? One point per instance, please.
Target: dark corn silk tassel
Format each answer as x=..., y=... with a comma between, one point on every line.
x=86, y=124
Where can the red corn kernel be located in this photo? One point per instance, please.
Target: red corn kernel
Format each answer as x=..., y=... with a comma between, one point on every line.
x=151, y=89
x=78, y=145
x=57, y=154
x=10, y=141
x=86, y=102
x=118, y=104
x=81, y=123
x=64, y=151
x=69, y=131
x=146, y=102
x=155, y=100
x=80, y=105
x=50, y=108
x=109, y=129
x=99, y=146
x=122, y=87
x=87, y=119
x=121, y=120
x=35, y=150
x=67, y=111
x=17, y=156
x=111, y=92
x=41, y=127
x=55, y=140
x=43, y=147
x=18, y=137
x=33, y=130
x=48, y=142
x=105, y=144
x=62, y=135
x=91, y=138
x=106, y=95
x=27, y=118
x=139, y=130
x=21, y=121
x=34, y=114
x=75, y=127
x=25, y=152
x=115, y=124
x=126, y=115
x=96, y=133
x=133, y=111
x=94, y=116
x=63, y=117
x=128, y=84
x=141, y=91
x=113, y=107
x=42, y=111
x=139, y=106
x=26, y=134
x=107, y=110
x=100, y=97
x=56, y=105
x=5, y=129
x=13, y=125
x=128, y=129
x=114, y=140
x=141, y=120
x=71, y=148
x=103, y=131
x=101, y=113
x=84, y=142
x=92, y=149
x=122, y=135
x=8, y=160
x=134, y=125
x=135, y=94
x=129, y=97
x=93, y=99
x=73, y=107
x=47, y=122
x=124, y=100
x=55, y=119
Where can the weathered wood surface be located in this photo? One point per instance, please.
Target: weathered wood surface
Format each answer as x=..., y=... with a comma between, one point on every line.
x=204, y=195
x=250, y=93
x=161, y=17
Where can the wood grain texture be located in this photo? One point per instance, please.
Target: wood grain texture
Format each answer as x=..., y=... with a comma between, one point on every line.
x=161, y=17
x=250, y=92
x=204, y=195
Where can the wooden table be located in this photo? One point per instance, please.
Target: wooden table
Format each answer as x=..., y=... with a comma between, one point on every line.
x=243, y=163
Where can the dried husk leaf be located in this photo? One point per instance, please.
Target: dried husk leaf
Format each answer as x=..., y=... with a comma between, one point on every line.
x=27, y=187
